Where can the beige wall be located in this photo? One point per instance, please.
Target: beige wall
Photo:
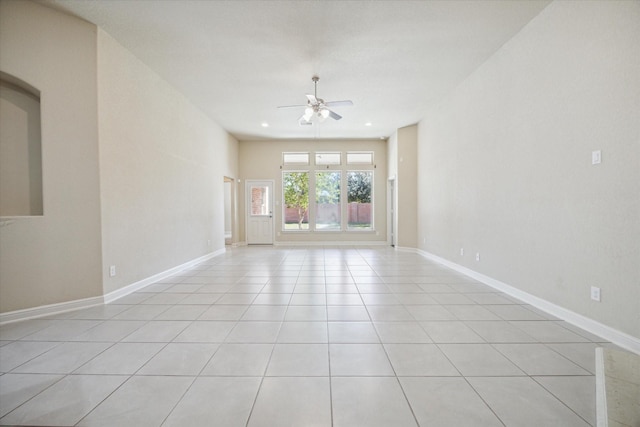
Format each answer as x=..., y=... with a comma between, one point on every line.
x=406, y=187
x=56, y=257
x=262, y=160
x=506, y=163
x=162, y=168
x=133, y=173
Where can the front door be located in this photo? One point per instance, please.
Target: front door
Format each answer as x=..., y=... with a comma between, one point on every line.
x=259, y=212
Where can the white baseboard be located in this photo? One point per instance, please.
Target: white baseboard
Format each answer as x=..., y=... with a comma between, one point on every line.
x=124, y=291
x=615, y=336
x=331, y=243
x=63, y=307
x=406, y=249
x=49, y=309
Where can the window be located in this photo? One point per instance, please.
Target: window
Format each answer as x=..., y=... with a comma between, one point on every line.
x=295, y=158
x=260, y=201
x=359, y=158
x=328, y=201
x=295, y=188
x=323, y=159
x=359, y=197
x=333, y=194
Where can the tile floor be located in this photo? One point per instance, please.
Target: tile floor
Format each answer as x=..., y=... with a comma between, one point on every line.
x=272, y=336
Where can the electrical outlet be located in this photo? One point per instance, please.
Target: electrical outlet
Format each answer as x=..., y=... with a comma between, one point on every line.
x=595, y=293
x=112, y=271
x=208, y=242
x=461, y=251
x=477, y=256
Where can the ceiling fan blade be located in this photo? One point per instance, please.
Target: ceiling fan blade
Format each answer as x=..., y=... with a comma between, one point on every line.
x=334, y=116
x=312, y=99
x=345, y=103
x=292, y=106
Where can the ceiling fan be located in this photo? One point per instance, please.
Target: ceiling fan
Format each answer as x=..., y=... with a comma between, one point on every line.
x=317, y=107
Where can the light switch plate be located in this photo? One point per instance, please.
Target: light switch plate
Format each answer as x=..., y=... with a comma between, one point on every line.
x=596, y=157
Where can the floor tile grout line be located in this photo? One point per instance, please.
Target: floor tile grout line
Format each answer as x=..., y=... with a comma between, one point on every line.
x=556, y=397
x=332, y=422
x=484, y=401
x=62, y=377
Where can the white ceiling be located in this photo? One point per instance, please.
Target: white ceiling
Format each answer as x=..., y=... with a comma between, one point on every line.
x=239, y=60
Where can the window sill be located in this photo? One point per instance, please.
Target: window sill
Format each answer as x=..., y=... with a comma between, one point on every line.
x=8, y=220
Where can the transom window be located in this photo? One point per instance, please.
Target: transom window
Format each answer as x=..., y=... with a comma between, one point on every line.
x=295, y=158
x=328, y=158
x=359, y=158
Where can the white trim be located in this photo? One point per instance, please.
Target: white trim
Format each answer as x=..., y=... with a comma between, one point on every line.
x=601, y=393
x=63, y=307
x=331, y=243
x=617, y=337
x=238, y=244
x=406, y=249
x=126, y=290
x=49, y=309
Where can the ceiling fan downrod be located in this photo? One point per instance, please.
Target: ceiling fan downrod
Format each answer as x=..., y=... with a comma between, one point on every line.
x=315, y=85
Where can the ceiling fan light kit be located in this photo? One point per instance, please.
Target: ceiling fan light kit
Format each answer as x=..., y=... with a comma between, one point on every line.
x=317, y=107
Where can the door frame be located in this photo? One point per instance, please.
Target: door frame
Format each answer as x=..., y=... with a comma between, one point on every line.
x=392, y=212
x=247, y=207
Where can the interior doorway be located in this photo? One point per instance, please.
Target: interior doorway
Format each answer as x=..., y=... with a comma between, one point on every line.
x=391, y=210
x=229, y=210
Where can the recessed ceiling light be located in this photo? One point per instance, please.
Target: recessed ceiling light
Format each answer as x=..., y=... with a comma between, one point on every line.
x=368, y=124
x=265, y=124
